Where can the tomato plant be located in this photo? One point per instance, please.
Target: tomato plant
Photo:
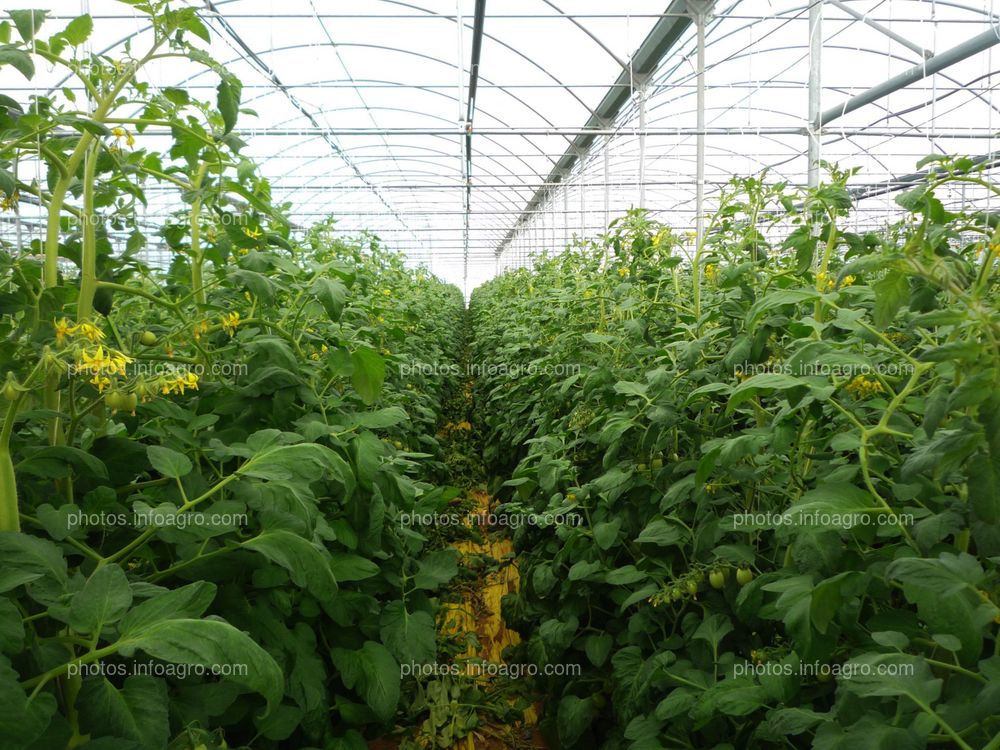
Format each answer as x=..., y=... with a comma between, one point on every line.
x=783, y=456
x=202, y=467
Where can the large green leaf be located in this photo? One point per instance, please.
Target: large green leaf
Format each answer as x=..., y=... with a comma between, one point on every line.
x=215, y=646
x=369, y=373
x=410, y=637
x=573, y=718
x=137, y=711
x=307, y=565
x=182, y=603
x=374, y=673
x=102, y=601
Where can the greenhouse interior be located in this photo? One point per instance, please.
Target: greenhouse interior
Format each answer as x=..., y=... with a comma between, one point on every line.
x=499, y=375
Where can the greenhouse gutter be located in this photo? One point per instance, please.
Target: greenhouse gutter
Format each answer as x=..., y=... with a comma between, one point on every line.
x=664, y=35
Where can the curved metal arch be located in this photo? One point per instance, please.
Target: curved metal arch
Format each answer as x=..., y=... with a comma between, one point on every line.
x=488, y=159
x=526, y=58
x=497, y=143
x=286, y=48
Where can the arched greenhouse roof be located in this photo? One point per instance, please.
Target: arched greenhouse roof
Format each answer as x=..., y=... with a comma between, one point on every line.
x=469, y=134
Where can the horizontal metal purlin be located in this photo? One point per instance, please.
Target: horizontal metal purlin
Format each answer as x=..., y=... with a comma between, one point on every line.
x=590, y=132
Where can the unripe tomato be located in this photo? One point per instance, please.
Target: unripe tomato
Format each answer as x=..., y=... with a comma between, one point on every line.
x=114, y=400
x=571, y=497
x=657, y=463
x=642, y=467
x=692, y=588
x=130, y=401
x=148, y=338
x=10, y=391
x=744, y=576
x=717, y=579
x=599, y=700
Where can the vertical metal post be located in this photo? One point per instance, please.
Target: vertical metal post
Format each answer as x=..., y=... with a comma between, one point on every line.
x=642, y=143
x=607, y=186
x=699, y=200
x=583, y=199
x=814, y=125
x=565, y=189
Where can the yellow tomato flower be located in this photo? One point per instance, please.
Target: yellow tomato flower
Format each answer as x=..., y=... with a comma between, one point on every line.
x=7, y=202
x=862, y=387
x=63, y=329
x=255, y=234
x=100, y=382
x=711, y=272
x=89, y=331
x=230, y=322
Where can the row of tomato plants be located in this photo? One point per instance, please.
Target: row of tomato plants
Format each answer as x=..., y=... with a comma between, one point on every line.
x=783, y=462
x=202, y=466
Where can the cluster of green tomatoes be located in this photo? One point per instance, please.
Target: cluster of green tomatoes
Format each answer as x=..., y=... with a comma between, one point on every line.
x=687, y=586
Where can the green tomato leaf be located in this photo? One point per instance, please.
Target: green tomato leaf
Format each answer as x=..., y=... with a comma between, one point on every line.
x=169, y=462
x=307, y=565
x=102, y=601
x=369, y=373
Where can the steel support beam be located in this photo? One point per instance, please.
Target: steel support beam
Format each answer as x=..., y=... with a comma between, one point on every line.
x=934, y=65
x=700, y=10
x=814, y=122
x=470, y=114
x=925, y=53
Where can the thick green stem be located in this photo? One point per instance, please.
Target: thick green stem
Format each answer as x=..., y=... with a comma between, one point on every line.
x=9, y=520
x=88, y=255
x=197, y=259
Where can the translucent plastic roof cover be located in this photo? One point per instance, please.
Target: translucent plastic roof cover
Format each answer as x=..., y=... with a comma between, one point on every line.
x=368, y=124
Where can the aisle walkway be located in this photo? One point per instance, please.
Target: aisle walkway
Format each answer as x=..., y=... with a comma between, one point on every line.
x=485, y=707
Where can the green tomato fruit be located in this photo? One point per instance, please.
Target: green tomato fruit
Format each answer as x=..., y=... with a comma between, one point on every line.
x=657, y=463
x=744, y=576
x=10, y=391
x=642, y=467
x=114, y=400
x=717, y=579
x=148, y=338
x=692, y=588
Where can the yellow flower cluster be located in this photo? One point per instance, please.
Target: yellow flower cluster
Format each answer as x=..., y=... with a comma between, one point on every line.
x=7, y=202
x=255, y=234
x=230, y=322
x=623, y=272
x=324, y=349
x=100, y=364
x=824, y=282
x=122, y=133
x=711, y=272
x=178, y=383
x=200, y=329
x=862, y=387
x=88, y=331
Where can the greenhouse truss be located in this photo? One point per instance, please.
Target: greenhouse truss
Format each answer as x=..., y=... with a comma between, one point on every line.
x=469, y=135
